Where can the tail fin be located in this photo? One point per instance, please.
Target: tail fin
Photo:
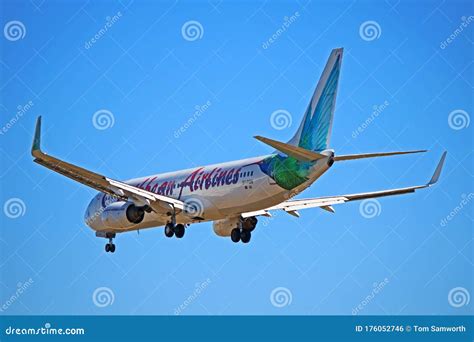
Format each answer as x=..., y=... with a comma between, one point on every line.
x=315, y=129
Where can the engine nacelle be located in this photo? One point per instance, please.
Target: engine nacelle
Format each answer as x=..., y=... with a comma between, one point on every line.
x=224, y=227
x=122, y=215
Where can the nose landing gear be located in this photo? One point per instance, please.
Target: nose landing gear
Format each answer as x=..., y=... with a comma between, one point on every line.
x=110, y=247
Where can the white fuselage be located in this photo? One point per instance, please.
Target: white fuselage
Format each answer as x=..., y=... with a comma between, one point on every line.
x=217, y=191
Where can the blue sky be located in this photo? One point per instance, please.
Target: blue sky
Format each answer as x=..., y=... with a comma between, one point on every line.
x=150, y=76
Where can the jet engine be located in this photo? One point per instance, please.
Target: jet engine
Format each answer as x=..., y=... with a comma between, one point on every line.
x=122, y=215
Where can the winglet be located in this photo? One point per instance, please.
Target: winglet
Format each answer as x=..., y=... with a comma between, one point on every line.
x=437, y=172
x=37, y=139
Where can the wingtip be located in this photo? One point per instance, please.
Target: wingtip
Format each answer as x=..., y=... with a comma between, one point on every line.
x=37, y=138
x=438, y=170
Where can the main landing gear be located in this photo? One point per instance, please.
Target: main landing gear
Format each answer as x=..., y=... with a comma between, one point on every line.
x=240, y=234
x=174, y=229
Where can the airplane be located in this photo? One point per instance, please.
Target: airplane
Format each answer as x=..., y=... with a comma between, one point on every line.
x=233, y=194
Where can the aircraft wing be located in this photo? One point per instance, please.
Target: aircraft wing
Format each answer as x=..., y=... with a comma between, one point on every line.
x=292, y=206
x=99, y=182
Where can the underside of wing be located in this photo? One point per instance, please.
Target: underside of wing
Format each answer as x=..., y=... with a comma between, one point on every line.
x=326, y=203
x=121, y=190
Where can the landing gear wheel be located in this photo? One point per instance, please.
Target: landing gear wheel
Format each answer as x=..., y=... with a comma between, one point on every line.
x=169, y=231
x=179, y=230
x=245, y=235
x=110, y=247
x=235, y=235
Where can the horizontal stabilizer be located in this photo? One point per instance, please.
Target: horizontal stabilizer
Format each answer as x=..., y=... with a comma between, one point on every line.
x=372, y=155
x=296, y=152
